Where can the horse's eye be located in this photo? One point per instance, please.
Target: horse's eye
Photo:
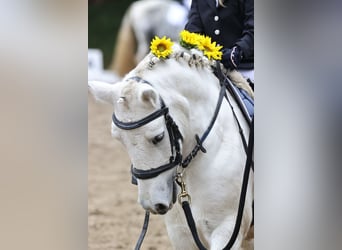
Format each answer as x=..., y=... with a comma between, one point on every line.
x=158, y=138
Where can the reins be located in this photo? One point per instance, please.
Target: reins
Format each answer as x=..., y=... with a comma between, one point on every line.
x=224, y=82
x=200, y=141
x=175, y=160
x=188, y=213
x=143, y=231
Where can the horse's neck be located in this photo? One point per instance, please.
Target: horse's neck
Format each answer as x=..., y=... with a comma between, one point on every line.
x=192, y=99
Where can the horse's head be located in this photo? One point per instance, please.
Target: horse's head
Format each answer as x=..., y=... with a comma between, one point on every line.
x=141, y=120
x=146, y=139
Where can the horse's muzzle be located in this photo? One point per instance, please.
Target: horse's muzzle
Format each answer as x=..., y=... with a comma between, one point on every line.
x=161, y=208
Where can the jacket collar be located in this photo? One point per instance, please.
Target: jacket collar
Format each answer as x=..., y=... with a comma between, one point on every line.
x=212, y=3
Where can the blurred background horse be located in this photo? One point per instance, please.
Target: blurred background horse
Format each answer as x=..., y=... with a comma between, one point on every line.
x=142, y=21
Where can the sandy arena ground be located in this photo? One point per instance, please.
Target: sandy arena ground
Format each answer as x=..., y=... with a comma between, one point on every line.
x=114, y=217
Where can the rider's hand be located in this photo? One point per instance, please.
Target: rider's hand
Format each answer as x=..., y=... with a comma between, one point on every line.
x=231, y=57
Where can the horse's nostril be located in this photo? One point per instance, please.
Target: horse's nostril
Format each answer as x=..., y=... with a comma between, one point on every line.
x=161, y=208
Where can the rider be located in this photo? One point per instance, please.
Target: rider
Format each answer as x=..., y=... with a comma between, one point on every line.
x=231, y=24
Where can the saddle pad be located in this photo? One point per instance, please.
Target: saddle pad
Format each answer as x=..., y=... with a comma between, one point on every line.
x=247, y=101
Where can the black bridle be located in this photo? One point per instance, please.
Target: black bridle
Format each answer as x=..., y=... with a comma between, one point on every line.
x=174, y=135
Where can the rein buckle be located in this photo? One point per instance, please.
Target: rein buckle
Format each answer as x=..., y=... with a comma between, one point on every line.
x=184, y=195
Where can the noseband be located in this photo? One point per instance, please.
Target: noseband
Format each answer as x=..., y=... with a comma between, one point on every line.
x=174, y=135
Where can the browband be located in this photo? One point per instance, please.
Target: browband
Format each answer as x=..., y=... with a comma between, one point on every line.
x=132, y=125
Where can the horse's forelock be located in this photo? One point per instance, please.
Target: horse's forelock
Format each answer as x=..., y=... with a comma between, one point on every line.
x=126, y=95
x=127, y=91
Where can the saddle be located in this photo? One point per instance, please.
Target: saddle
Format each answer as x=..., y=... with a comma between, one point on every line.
x=246, y=101
x=240, y=88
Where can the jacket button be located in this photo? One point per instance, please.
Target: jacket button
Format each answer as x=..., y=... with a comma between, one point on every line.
x=216, y=18
x=217, y=32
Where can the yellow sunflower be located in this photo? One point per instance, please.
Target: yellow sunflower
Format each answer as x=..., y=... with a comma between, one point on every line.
x=189, y=40
x=210, y=49
x=161, y=47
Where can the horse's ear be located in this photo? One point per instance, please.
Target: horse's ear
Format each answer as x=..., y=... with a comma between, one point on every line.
x=102, y=91
x=149, y=95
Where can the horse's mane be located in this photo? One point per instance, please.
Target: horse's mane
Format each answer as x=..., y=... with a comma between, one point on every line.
x=195, y=59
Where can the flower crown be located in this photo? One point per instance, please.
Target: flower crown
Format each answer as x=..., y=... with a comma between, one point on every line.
x=162, y=47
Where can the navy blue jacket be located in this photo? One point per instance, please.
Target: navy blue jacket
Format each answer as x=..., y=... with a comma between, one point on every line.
x=229, y=26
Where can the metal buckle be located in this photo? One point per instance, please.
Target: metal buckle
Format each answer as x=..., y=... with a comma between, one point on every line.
x=184, y=195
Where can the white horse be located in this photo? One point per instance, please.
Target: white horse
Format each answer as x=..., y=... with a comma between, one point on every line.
x=143, y=20
x=190, y=90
